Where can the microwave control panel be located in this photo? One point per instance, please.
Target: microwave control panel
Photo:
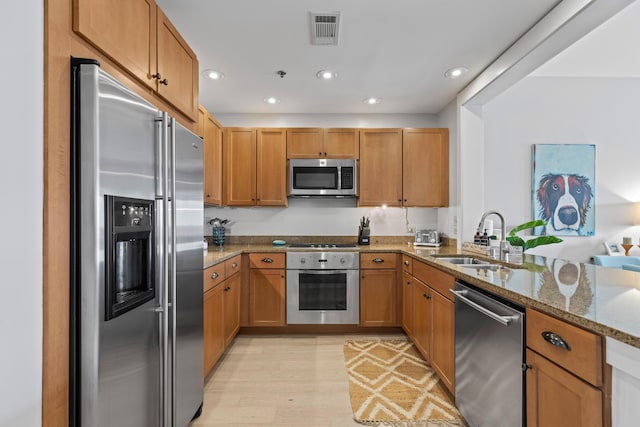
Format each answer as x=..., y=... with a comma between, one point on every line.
x=347, y=177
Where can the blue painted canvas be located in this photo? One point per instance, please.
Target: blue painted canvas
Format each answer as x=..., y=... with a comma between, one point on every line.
x=563, y=188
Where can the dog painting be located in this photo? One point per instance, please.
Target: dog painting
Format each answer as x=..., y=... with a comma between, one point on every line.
x=563, y=194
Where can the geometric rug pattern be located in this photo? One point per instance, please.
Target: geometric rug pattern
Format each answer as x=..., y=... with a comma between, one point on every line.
x=391, y=384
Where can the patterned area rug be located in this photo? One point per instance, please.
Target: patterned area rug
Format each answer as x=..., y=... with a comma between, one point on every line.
x=391, y=384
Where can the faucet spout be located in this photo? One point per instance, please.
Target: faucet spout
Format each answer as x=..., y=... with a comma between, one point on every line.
x=504, y=245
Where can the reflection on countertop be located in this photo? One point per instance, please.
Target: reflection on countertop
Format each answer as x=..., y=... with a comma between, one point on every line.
x=604, y=300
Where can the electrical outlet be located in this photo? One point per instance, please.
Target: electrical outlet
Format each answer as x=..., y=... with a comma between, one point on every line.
x=411, y=229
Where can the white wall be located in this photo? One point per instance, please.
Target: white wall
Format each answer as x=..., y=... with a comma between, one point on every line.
x=21, y=109
x=325, y=217
x=567, y=110
x=448, y=217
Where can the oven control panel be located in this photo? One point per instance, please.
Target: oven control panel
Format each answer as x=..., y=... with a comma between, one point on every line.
x=323, y=261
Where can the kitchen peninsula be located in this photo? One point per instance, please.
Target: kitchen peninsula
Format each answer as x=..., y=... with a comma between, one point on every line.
x=599, y=302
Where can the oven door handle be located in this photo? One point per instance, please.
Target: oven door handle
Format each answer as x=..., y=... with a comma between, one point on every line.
x=504, y=320
x=322, y=271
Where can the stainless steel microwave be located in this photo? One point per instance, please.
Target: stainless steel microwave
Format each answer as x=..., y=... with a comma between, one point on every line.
x=323, y=177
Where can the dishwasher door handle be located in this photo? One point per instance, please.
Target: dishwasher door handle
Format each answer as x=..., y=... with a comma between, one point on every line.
x=504, y=320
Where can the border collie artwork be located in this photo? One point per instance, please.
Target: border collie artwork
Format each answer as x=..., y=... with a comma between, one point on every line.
x=563, y=188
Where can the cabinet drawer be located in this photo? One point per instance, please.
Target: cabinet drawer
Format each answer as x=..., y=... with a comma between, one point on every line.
x=584, y=354
x=232, y=266
x=212, y=276
x=266, y=260
x=434, y=278
x=407, y=264
x=378, y=260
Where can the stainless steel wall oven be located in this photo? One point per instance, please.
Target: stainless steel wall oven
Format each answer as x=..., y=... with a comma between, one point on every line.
x=323, y=288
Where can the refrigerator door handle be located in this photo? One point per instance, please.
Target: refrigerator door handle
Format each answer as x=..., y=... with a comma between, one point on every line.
x=167, y=358
x=161, y=136
x=173, y=279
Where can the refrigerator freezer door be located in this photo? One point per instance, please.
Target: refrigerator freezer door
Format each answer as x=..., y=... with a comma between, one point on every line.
x=116, y=377
x=189, y=229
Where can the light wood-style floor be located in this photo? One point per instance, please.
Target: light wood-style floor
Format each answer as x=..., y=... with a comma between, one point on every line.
x=292, y=380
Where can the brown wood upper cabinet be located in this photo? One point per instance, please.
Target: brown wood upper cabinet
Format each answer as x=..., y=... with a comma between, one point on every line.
x=313, y=143
x=255, y=167
x=138, y=36
x=380, y=167
x=425, y=167
x=211, y=133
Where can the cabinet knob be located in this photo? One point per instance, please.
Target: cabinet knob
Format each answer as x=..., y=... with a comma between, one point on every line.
x=408, y=282
x=377, y=260
x=258, y=199
x=400, y=200
x=267, y=260
x=214, y=275
x=325, y=154
x=426, y=296
x=156, y=76
x=405, y=200
x=164, y=82
x=406, y=263
x=556, y=340
x=234, y=264
x=525, y=367
x=319, y=153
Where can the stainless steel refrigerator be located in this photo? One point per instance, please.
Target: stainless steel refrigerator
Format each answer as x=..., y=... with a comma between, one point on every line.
x=136, y=273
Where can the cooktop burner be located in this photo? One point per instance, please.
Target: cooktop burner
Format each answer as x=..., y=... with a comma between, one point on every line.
x=323, y=245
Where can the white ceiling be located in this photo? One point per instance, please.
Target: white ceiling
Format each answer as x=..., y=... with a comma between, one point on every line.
x=396, y=50
x=611, y=50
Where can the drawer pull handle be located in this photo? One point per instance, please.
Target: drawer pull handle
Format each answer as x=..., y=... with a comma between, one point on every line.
x=426, y=296
x=214, y=275
x=227, y=288
x=267, y=260
x=378, y=260
x=234, y=264
x=555, y=339
x=406, y=263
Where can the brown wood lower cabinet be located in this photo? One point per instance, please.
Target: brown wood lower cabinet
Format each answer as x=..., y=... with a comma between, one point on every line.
x=556, y=398
x=231, y=308
x=221, y=309
x=442, y=338
x=267, y=289
x=428, y=316
x=407, y=303
x=379, y=289
x=422, y=318
x=214, y=329
x=566, y=383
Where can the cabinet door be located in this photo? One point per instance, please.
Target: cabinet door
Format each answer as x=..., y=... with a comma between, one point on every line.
x=212, y=154
x=442, y=339
x=380, y=167
x=125, y=30
x=378, y=298
x=239, y=149
x=407, y=303
x=342, y=143
x=425, y=171
x=555, y=398
x=177, y=68
x=271, y=168
x=305, y=143
x=231, y=308
x=422, y=318
x=267, y=297
x=213, y=327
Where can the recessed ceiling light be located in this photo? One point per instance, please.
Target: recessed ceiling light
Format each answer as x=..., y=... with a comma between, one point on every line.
x=372, y=100
x=272, y=100
x=213, y=74
x=456, y=72
x=326, y=74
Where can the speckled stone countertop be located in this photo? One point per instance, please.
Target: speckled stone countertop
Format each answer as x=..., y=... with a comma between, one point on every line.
x=603, y=300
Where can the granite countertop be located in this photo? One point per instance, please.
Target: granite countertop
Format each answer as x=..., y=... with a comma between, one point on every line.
x=603, y=300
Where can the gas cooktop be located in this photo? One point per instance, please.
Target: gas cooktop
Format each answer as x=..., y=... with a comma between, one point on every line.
x=322, y=245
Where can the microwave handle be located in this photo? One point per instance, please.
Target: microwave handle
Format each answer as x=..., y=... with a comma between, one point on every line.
x=339, y=184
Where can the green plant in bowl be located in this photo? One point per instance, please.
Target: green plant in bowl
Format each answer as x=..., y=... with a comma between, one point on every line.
x=531, y=243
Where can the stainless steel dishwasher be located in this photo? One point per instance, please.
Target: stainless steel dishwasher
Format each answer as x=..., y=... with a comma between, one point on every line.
x=489, y=353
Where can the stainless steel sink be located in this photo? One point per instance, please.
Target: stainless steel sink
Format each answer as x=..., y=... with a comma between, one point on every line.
x=470, y=262
x=463, y=260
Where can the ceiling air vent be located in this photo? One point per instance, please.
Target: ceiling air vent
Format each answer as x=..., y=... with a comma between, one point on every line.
x=325, y=28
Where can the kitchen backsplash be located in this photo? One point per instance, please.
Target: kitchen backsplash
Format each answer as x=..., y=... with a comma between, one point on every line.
x=327, y=217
